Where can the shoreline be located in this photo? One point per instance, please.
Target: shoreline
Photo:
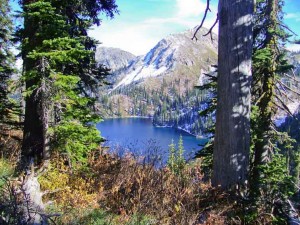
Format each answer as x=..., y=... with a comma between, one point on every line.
x=158, y=126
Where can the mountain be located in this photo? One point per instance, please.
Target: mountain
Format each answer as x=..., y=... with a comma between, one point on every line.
x=294, y=58
x=291, y=82
x=161, y=84
x=113, y=58
x=176, y=55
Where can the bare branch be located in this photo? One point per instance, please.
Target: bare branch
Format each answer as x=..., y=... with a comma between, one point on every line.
x=258, y=100
x=284, y=106
x=53, y=191
x=286, y=27
x=210, y=76
x=212, y=27
x=294, y=74
x=287, y=87
x=284, y=94
x=203, y=19
x=293, y=78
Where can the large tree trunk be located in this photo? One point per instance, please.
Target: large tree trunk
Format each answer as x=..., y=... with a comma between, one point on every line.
x=34, y=147
x=232, y=138
x=33, y=138
x=34, y=124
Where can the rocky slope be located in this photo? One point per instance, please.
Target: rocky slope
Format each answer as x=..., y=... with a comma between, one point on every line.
x=113, y=58
x=161, y=84
x=292, y=81
x=176, y=55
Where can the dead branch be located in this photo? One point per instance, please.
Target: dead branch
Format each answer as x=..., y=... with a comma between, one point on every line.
x=286, y=27
x=284, y=94
x=258, y=100
x=53, y=191
x=294, y=74
x=210, y=76
x=284, y=106
x=293, y=78
x=202, y=22
x=212, y=27
x=287, y=87
x=203, y=19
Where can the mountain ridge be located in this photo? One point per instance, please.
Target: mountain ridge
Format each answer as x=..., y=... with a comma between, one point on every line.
x=161, y=84
x=169, y=54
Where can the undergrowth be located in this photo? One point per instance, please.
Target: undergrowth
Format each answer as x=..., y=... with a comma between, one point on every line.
x=121, y=190
x=126, y=190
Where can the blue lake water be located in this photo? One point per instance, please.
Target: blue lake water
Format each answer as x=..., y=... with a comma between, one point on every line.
x=140, y=137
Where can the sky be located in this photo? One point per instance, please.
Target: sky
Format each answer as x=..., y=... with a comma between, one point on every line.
x=143, y=23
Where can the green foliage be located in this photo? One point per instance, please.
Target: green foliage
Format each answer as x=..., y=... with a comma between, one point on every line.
x=206, y=153
x=176, y=161
x=6, y=170
x=7, y=68
x=61, y=74
x=276, y=183
x=77, y=140
x=102, y=217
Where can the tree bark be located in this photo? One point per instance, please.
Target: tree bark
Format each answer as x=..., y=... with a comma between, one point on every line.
x=232, y=137
x=33, y=133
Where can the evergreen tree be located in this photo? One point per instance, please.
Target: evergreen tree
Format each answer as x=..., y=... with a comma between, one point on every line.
x=172, y=157
x=7, y=61
x=58, y=57
x=268, y=62
x=176, y=161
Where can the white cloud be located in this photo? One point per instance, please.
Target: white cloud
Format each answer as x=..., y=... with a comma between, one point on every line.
x=293, y=47
x=139, y=37
x=135, y=38
x=293, y=16
x=187, y=8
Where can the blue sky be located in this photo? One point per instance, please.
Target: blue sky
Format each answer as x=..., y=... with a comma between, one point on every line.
x=142, y=23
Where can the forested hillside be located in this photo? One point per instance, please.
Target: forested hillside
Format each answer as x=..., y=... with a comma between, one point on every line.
x=162, y=84
x=239, y=89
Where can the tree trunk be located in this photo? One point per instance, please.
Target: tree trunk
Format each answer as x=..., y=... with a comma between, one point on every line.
x=232, y=138
x=262, y=148
x=33, y=133
x=33, y=139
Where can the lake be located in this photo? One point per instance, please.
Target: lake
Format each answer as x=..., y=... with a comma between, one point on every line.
x=140, y=137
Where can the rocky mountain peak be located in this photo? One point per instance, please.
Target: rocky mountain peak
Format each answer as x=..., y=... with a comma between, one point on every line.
x=113, y=58
x=173, y=54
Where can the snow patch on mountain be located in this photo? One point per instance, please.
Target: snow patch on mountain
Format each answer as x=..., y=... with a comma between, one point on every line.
x=167, y=55
x=144, y=72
